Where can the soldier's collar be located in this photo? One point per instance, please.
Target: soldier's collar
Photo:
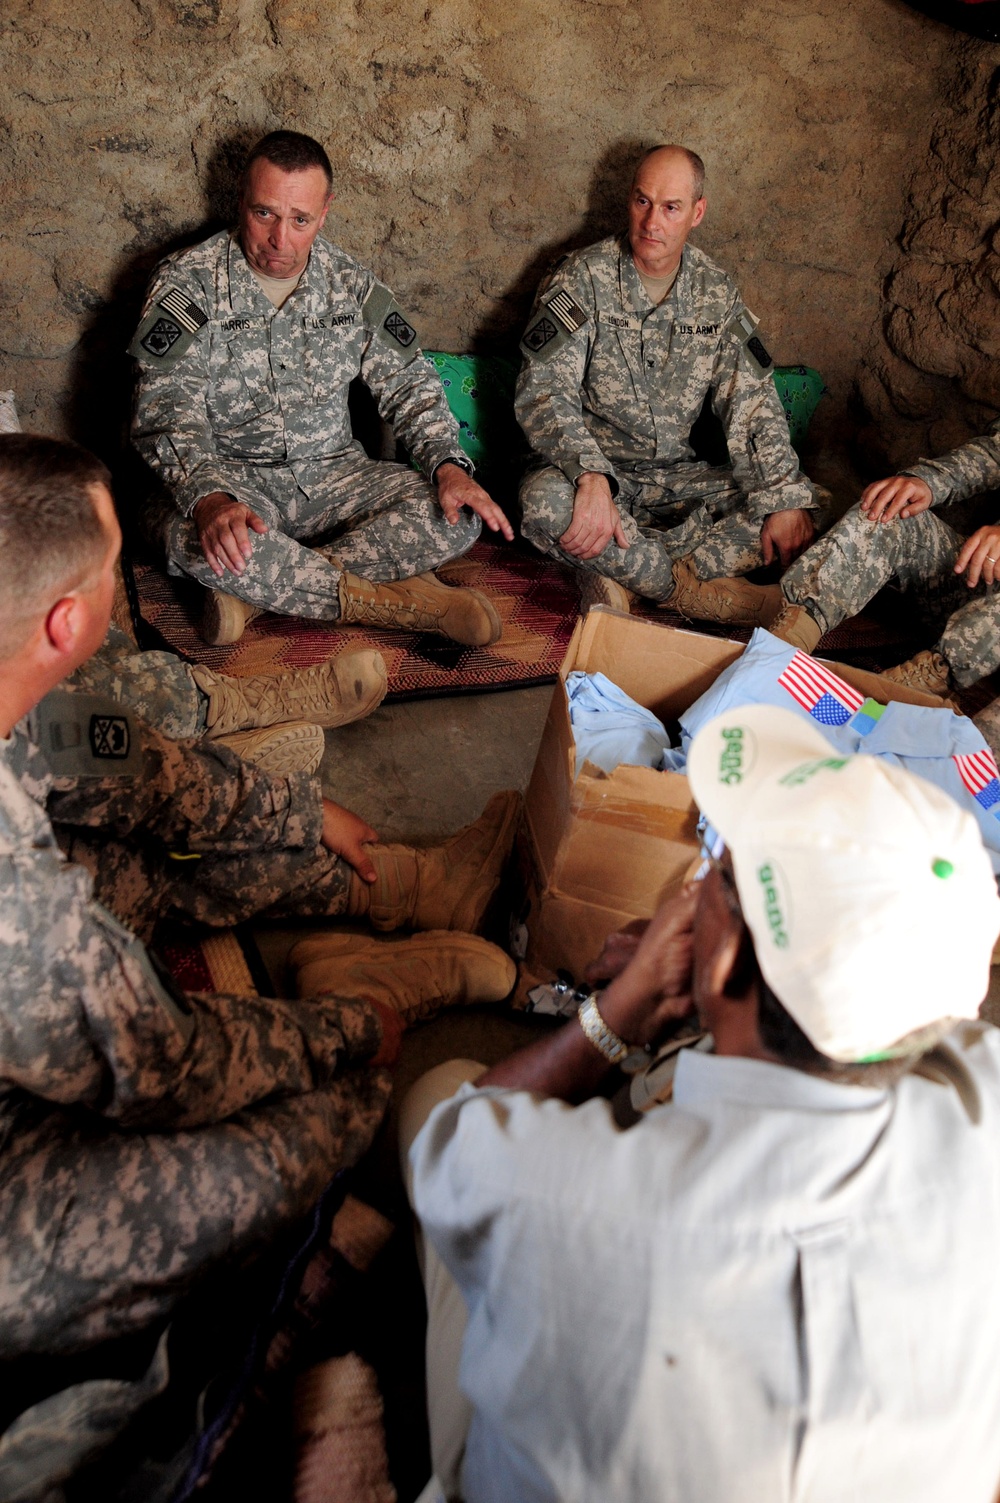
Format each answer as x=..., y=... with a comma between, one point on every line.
x=634, y=295
x=245, y=293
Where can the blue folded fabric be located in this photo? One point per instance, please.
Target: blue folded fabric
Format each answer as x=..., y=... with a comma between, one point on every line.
x=944, y=748
x=610, y=728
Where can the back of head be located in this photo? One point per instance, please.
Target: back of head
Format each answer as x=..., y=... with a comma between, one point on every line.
x=291, y=151
x=867, y=891
x=51, y=536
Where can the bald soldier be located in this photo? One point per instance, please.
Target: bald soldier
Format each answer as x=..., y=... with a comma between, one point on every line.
x=246, y=349
x=626, y=341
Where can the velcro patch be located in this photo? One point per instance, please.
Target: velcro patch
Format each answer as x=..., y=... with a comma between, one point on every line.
x=743, y=325
x=168, y=329
x=566, y=310
x=540, y=333
x=620, y=321
x=400, y=330
x=383, y=315
x=86, y=735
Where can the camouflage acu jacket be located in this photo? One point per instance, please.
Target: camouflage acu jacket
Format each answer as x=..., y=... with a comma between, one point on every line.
x=611, y=383
x=225, y=376
x=966, y=471
x=85, y=1018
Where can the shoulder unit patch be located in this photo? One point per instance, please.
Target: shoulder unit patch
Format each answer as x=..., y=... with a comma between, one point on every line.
x=743, y=326
x=168, y=329
x=559, y=318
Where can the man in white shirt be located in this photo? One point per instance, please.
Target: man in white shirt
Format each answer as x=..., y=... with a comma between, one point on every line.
x=780, y=1285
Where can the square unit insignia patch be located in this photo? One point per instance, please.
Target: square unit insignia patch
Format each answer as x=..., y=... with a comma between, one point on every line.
x=161, y=337
x=400, y=330
x=540, y=333
x=109, y=736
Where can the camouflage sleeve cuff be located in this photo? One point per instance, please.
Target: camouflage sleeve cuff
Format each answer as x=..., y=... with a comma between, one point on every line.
x=791, y=496
x=203, y=482
x=575, y=469
x=303, y=824
x=353, y=1027
x=940, y=488
x=461, y=459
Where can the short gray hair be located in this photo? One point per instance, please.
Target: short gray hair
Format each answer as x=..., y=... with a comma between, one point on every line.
x=694, y=162
x=50, y=533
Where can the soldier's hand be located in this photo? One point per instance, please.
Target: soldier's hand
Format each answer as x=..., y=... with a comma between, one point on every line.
x=786, y=534
x=596, y=519
x=347, y=834
x=980, y=557
x=224, y=526
x=898, y=496
x=456, y=489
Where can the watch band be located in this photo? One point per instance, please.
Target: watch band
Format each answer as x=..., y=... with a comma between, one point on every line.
x=603, y=1038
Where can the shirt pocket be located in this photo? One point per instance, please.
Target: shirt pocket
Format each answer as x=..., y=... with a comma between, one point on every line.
x=242, y=388
x=331, y=358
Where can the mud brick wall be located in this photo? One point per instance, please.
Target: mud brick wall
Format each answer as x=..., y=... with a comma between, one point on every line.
x=471, y=142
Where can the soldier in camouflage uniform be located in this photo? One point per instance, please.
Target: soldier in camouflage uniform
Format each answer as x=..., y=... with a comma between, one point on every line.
x=246, y=349
x=626, y=340
x=148, y=1134
x=892, y=534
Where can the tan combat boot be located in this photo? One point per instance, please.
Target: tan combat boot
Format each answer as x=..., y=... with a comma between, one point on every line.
x=794, y=625
x=420, y=604
x=223, y=618
x=598, y=589
x=417, y=976
x=345, y=688
x=928, y=671
x=446, y=886
x=296, y=746
x=736, y=601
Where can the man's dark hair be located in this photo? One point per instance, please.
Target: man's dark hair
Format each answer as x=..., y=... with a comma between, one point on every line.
x=782, y=1036
x=50, y=533
x=292, y=152
x=694, y=162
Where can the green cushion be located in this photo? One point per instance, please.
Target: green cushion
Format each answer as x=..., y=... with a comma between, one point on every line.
x=480, y=392
x=800, y=388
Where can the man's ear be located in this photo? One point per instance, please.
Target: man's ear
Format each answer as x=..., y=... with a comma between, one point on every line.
x=699, y=212
x=63, y=625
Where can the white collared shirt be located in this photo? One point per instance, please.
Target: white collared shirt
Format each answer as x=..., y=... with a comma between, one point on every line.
x=775, y=1288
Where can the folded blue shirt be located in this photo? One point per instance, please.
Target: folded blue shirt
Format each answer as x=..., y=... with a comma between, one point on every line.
x=610, y=728
x=938, y=745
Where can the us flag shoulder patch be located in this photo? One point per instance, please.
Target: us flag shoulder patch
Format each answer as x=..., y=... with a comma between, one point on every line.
x=168, y=329
x=187, y=314
x=566, y=310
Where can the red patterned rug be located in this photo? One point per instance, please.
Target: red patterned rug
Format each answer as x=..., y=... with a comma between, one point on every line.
x=217, y=960
x=537, y=602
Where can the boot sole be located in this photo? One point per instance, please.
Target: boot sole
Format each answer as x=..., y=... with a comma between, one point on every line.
x=283, y=749
x=224, y=619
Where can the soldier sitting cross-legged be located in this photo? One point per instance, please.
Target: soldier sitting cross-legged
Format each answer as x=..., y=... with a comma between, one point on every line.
x=149, y=1135
x=246, y=350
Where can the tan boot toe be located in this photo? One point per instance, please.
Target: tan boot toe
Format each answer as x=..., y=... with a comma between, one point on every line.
x=446, y=886
x=417, y=976
x=224, y=618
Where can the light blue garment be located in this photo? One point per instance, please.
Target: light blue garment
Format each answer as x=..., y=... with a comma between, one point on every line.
x=610, y=728
x=933, y=744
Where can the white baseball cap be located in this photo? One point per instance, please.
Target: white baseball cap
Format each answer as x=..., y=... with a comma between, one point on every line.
x=868, y=891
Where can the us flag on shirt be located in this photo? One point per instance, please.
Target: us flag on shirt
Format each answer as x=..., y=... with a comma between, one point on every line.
x=828, y=698
x=978, y=772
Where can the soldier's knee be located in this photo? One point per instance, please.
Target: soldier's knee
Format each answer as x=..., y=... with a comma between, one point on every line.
x=546, y=498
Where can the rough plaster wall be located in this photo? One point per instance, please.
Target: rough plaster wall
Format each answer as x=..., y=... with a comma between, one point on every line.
x=931, y=378
x=470, y=143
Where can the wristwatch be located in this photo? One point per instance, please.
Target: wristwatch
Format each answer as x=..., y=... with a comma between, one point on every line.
x=628, y=1057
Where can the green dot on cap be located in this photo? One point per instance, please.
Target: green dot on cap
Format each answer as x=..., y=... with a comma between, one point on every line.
x=942, y=868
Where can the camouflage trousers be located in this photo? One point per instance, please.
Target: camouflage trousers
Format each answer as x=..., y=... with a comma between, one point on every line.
x=104, y=1229
x=140, y=883
x=371, y=517
x=158, y=686
x=694, y=511
x=841, y=572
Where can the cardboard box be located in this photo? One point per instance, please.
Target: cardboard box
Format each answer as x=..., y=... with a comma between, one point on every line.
x=603, y=848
